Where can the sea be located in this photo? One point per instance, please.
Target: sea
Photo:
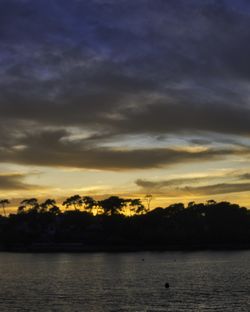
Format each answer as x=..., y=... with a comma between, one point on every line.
x=135, y=281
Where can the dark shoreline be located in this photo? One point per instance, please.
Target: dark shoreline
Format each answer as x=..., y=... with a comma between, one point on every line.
x=212, y=226
x=80, y=248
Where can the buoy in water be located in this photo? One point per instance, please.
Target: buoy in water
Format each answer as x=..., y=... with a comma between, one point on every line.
x=166, y=285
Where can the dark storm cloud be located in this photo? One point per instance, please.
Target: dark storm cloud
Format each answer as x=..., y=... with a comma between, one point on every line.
x=120, y=67
x=181, y=116
x=14, y=182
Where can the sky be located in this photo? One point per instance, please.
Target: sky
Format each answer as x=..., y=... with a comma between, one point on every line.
x=127, y=98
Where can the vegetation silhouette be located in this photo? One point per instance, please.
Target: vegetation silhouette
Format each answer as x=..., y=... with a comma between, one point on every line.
x=3, y=203
x=119, y=224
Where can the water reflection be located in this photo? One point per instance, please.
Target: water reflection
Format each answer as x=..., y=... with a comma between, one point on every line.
x=199, y=281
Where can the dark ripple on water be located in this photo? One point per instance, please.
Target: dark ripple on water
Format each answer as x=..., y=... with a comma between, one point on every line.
x=199, y=281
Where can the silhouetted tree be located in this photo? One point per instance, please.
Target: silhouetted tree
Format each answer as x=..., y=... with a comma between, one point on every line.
x=3, y=203
x=175, y=209
x=148, y=198
x=89, y=203
x=190, y=204
x=75, y=201
x=29, y=205
x=112, y=205
x=49, y=205
x=136, y=206
x=55, y=210
x=211, y=202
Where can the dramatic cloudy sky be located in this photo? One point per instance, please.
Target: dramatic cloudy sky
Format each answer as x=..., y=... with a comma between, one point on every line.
x=125, y=97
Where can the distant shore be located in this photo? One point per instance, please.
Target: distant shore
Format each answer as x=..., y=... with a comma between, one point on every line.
x=211, y=226
x=81, y=248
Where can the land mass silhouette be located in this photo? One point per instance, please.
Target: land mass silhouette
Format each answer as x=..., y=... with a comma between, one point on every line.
x=117, y=224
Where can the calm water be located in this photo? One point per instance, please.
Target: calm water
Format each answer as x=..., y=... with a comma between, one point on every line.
x=199, y=281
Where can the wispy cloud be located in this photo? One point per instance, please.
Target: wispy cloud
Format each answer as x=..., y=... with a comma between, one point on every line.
x=214, y=189
x=15, y=181
x=200, y=185
x=49, y=148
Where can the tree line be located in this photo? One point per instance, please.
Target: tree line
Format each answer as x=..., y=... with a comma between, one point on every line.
x=108, y=206
x=87, y=224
